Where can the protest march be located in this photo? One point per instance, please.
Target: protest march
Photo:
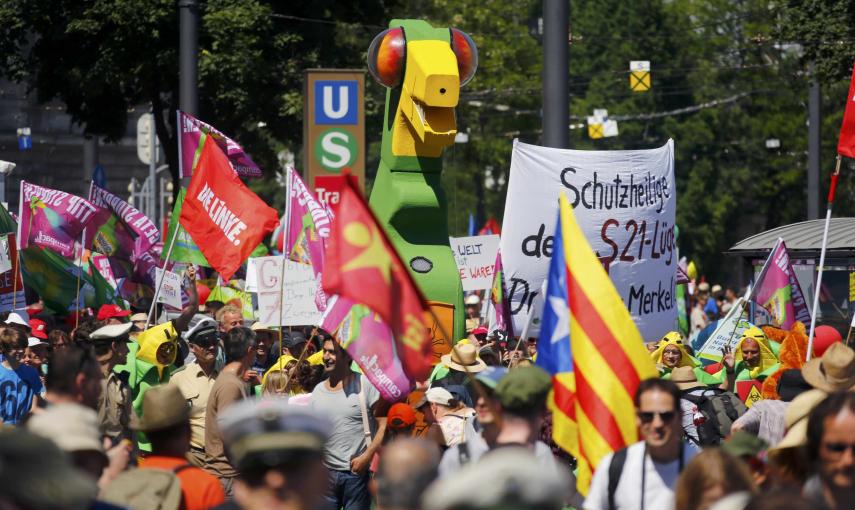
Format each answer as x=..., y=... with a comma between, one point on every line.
x=353, y=350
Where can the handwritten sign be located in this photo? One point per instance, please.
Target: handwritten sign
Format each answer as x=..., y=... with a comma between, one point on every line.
x=475, y=257
x=726, y=331
x=625, y=203
x=288, y=301
x=170, y=289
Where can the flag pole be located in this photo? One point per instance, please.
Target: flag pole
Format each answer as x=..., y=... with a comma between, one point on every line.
x=286, y=252
x=79, y=271
x=831, y=191
x=159, y=283
x=15, y=271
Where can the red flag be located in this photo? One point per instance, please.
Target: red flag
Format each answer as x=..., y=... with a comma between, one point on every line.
x=846, y=144
x=225, y=219
x=362, y=265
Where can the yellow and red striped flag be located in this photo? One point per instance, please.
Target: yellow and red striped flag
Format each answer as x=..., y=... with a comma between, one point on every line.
x=608, y=355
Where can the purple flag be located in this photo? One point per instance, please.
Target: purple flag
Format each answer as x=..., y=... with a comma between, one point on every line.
x=778, y=291
x=52, y=219
x=306, y=229
x=126, y=231
x=369, y=342
x=190, y=133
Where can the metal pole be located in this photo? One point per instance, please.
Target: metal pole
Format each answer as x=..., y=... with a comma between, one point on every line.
x=556, y=73
x=814, y=120
x=188, y=56
x=822, y=251
x=152, y=172
x=90, y=158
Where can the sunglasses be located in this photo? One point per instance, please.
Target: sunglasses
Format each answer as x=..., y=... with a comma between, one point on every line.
x=839, y=448
x=647, y=416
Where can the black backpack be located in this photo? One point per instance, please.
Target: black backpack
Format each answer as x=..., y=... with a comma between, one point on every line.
x=720, y=410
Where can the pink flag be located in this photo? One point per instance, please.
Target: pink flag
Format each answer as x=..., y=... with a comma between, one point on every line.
x=52, y=219
x=369, y=342
x=190, y=131
x=306, y=228
x=778, y=291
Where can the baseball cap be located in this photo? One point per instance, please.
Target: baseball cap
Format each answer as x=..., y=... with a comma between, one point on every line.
x=33, y=341
x=38, y=328
x=110, y=311
x=491, y=376
x=19, y=317
x=524, y=389
x=480, y=330
x=473, y=299
x=439, y=396
x=400, y=416
x=139, y=317
x=292, y=339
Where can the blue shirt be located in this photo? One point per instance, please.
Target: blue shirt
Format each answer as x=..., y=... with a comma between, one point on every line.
x=17, y=388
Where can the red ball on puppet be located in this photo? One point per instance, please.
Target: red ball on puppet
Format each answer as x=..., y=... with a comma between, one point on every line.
x=823, y=337
x=204, y=291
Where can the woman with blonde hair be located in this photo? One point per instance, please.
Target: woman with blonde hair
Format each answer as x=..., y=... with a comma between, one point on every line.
x=710, y=476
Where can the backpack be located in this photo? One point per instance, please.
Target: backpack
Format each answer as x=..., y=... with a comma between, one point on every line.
x=719, y=412
x=146, y=489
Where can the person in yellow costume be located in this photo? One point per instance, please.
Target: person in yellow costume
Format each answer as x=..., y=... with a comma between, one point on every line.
x=671, y=353
x=755, y=359
x=151, y=356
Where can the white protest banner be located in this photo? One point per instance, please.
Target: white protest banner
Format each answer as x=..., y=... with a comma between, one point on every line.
x=298, y=306
x=170, y=290
x=625, y=202
x=5, y=260
x=251, y=284
x=11, y=291
x=724, y=333
x=475, y=257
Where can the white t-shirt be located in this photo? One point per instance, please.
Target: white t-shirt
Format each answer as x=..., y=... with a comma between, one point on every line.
x=659, y=481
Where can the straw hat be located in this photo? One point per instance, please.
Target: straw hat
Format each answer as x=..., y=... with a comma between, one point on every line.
x=796, y=418
x=834, y=371
x=685, y=378
x=162, y=407
x=464, y=358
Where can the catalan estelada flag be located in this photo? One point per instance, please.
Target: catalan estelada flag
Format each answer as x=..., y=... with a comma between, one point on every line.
x=607, y=358
x=553, y=352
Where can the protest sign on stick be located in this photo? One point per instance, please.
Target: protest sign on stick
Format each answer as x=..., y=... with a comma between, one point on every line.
x=286, y=293
x=11, y=285
x=170, y=288
x=476, y=259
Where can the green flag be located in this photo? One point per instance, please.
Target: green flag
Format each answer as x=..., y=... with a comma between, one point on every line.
x=7, y=224
x=185, y=249
x=55, y=279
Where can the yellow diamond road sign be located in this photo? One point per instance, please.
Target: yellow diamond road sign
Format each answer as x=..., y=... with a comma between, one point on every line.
x=639, y=75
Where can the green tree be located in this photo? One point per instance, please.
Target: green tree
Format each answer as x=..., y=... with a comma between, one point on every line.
x=103, y=57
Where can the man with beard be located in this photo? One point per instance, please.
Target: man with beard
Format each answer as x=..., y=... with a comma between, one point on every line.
x=352, y=403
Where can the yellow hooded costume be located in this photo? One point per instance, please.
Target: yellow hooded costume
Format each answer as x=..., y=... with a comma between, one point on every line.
x=768, y=361
x=163, y=338
x=673, y=338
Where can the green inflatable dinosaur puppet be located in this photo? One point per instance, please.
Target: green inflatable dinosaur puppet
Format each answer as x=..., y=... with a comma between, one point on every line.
x=423, y=68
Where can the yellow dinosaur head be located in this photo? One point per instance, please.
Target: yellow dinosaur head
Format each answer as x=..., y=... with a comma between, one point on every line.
x=424, y=68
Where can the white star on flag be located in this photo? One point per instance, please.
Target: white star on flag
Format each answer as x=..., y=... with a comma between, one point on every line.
x=562, y=314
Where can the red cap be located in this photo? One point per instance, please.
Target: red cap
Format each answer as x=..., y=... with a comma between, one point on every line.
x=110, y=311
x=401, y=416
x=480, y=330
x=38, y=329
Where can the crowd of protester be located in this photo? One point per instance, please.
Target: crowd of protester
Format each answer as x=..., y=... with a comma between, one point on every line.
x=205, y=409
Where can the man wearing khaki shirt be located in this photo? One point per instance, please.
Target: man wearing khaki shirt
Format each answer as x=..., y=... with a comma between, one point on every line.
x=110, y=344
x=195, y=381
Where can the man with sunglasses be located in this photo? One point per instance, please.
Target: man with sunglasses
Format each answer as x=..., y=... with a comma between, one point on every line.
x=643, y=475
x=195, y=381
x=831, y=450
